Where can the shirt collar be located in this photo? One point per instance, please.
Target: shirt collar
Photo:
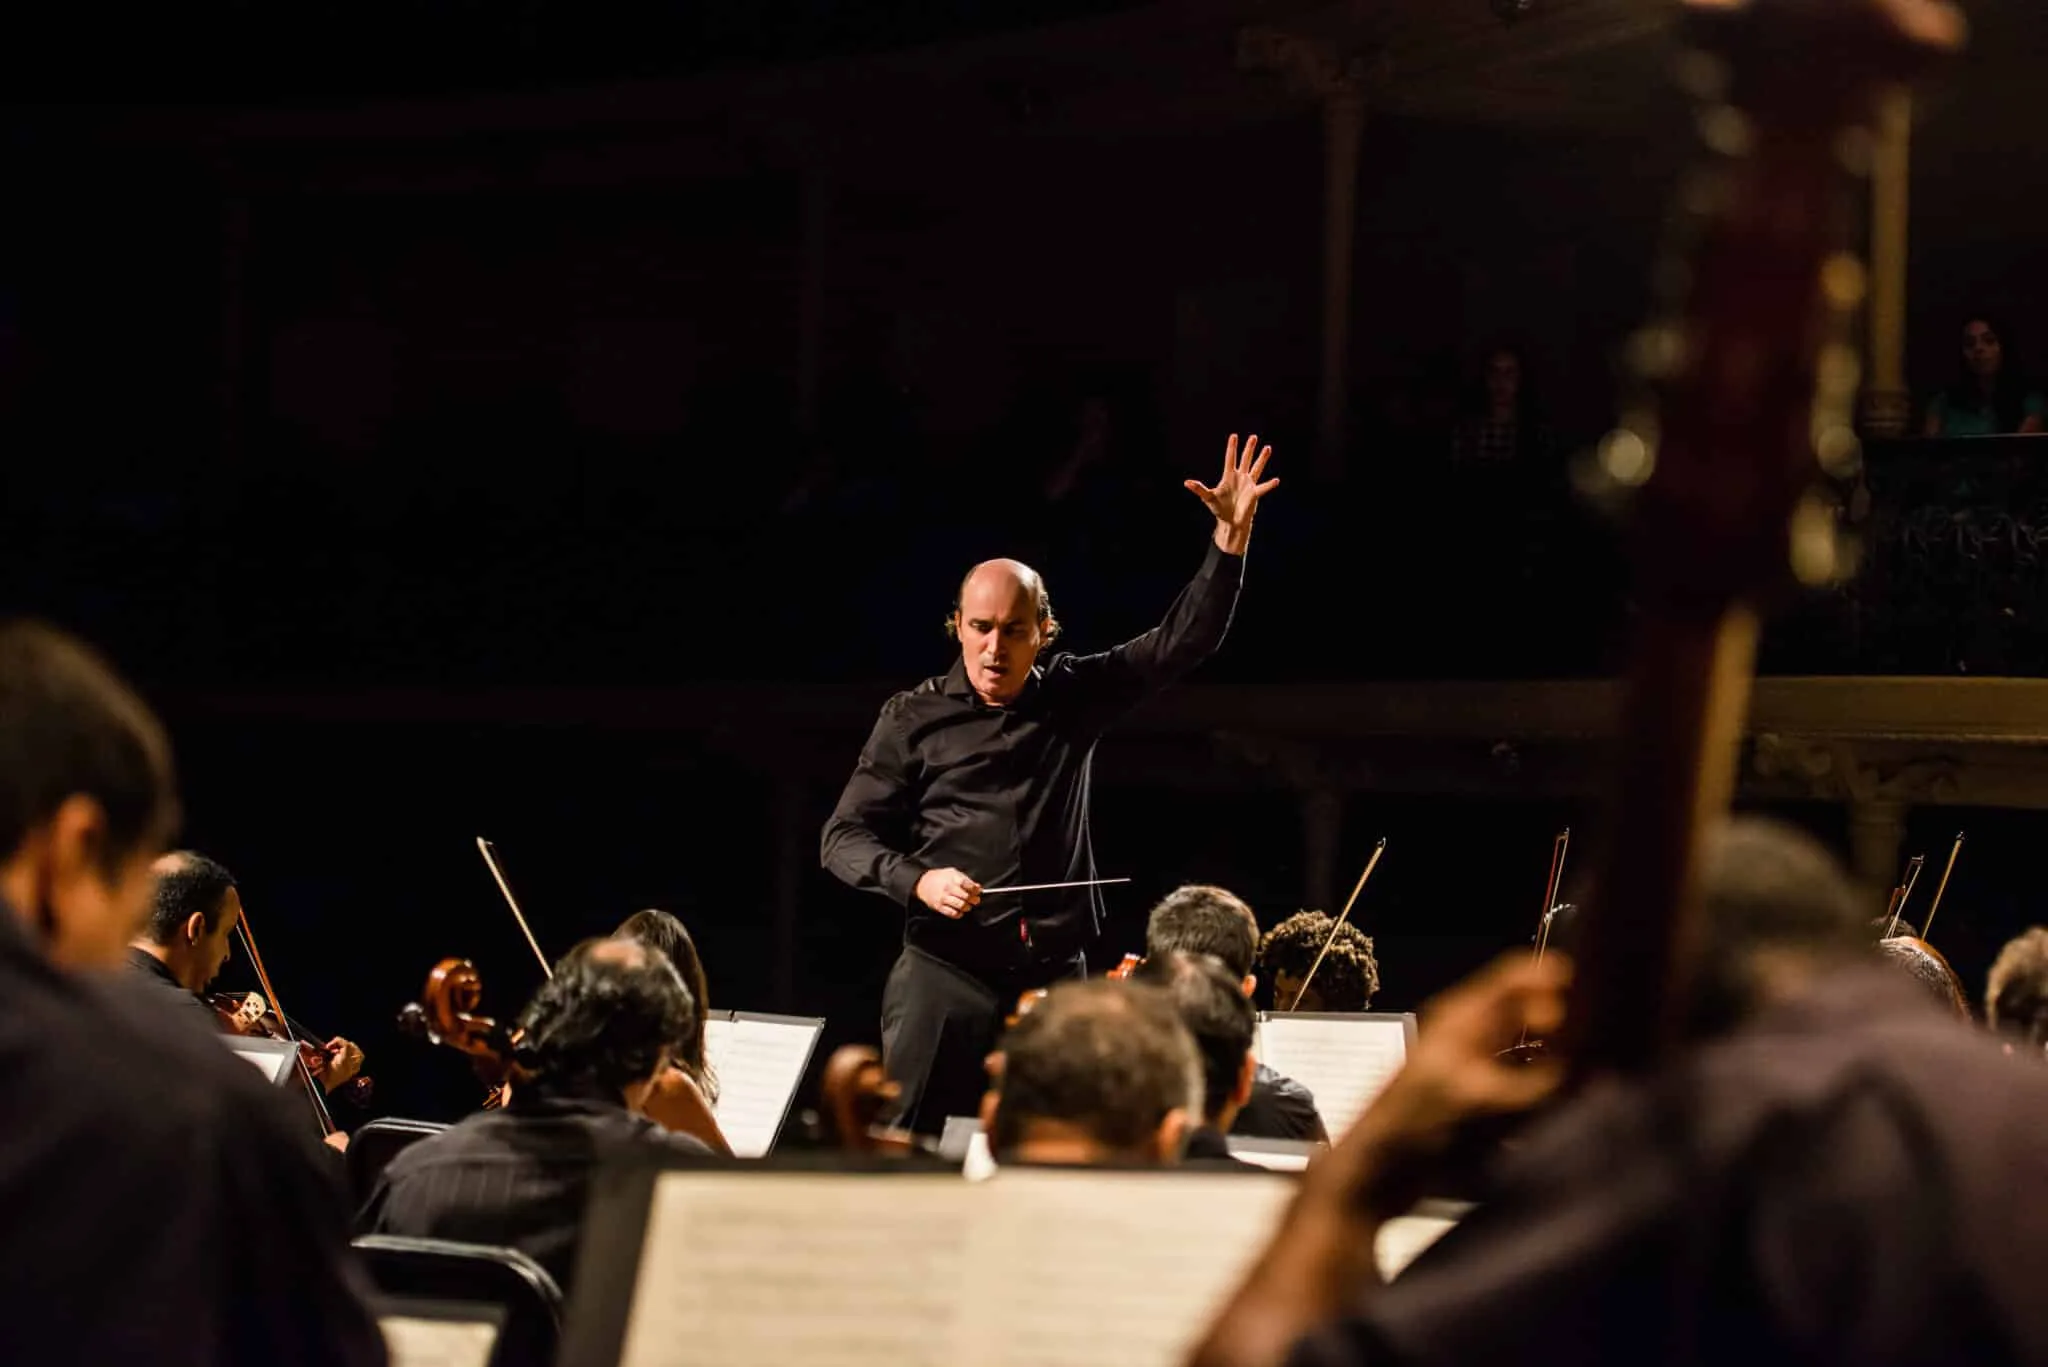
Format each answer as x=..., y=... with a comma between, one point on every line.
x=148, y=962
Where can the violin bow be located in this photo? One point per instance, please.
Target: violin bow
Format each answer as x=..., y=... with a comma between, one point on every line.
x=284, y=1023
x=1370, y=865
x=490, y=854
x=1745, y=383
x=1942, y=886
x=1559, y=847
x=1903, y=894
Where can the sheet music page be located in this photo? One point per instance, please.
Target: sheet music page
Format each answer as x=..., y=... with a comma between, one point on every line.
x=415, y=1342
x=801, y=1270
x=1344, y=1062
x=759, y=1064
x=1109, y=1269
x=1402, y=1240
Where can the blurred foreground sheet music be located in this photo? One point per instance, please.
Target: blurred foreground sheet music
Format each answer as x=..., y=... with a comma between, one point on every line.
x=1034, y=1268
x=1343, y=1059
x=759, y=1061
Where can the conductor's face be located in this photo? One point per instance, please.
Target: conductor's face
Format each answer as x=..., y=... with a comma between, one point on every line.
x=999, y=629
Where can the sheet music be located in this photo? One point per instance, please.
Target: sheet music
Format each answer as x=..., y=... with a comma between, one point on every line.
x=799, y=1270
x=416, y=1342
x=759, y=1064
x=1116, y=1269
x=1032, y=1269
x=1402, y=1240
x=1344, y=1060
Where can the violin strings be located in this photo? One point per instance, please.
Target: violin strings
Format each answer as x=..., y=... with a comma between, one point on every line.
x=1345, y=915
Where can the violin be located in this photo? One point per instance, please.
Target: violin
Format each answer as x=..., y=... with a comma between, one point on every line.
x=446, y=1014
x=854, y=1092
x=1031, y=997
x=261, y=1016
x=251, y=1016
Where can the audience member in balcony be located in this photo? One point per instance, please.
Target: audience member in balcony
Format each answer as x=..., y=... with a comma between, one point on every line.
x=2016, y=997
x=1501, y=433
x=1990, y=395
x=1345, y=981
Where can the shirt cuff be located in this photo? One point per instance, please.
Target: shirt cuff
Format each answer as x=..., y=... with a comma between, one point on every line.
x=901, y=881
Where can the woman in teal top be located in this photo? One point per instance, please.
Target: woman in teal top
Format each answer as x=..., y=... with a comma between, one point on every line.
x=1989, y=397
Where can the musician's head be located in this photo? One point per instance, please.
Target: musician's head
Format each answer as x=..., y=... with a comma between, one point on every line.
x=1002, y=618
x=662, y=931
x=1345, y=981
x=1199, y=918
x=1778, y=913
x=1219, y=1016
x=2016, y=995
x=606, y=1023
x=1098, y=1072
x=1924, y=964
x=193, y=911
x=87, y=797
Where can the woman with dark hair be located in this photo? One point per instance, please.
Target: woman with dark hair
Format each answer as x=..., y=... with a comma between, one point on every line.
x=1990, y=395
x=686, y=1095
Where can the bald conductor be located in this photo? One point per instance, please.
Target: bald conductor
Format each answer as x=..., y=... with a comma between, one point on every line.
x=979, y=779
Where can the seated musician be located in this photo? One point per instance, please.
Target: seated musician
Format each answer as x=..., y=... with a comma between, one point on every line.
x=685, y=1097
x=1219, y=1016
x=1816, y=1185
x=1097, y=1073
x=195, y=905
x=163, y=1204
x=2016, y=994
x=596, y=1037
x=1200, y=919
x=1346, y=979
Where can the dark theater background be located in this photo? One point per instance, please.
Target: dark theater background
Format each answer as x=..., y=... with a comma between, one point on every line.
x=567, y=423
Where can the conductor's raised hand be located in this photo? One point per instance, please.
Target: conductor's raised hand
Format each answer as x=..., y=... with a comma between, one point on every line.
x=1237, y=493
x=949, y=892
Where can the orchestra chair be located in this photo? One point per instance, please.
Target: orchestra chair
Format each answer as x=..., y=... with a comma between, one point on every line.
x=444, y=1280
x=374, y=1144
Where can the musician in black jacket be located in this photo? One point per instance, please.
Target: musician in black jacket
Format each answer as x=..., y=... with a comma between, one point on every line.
x=980, y=777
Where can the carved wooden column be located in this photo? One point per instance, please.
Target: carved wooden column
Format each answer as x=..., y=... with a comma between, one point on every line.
x=1322, y=836
x=1340, y=83
x=1887, y=400
x=1877, y=833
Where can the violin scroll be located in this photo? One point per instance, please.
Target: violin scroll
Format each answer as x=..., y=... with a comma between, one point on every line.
x=856, y=1091
x=446, y=1014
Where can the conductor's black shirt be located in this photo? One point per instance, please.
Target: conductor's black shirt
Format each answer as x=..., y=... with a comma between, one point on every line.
x=163, y=1203
x=1001, y=793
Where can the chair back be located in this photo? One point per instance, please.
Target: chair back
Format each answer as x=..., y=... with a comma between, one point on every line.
x=429, y=1286
x=372, y=1147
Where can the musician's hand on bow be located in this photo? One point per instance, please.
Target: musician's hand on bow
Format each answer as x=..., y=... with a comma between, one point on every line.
x=949, y=892
x=1236, y=496
x=338, y=1141
x=1454, y=1078
x=343, y=1061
